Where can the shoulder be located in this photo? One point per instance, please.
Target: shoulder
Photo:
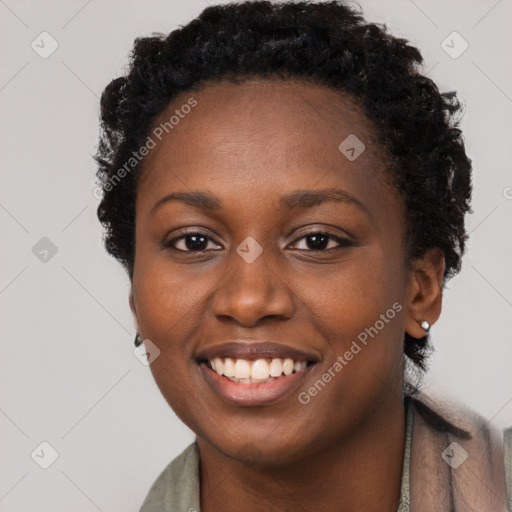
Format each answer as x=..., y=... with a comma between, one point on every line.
x=453, y=417
x=177, y=486
x=461, y=452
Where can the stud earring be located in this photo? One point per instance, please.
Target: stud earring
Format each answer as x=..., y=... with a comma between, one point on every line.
x=138, y=340
x=425, y=325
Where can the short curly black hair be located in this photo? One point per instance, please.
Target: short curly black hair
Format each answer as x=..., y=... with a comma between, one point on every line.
x=326, y=43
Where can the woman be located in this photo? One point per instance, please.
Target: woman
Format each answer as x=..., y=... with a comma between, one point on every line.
x=287, y=194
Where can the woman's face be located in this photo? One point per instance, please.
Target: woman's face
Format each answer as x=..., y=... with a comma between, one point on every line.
x=245, y=266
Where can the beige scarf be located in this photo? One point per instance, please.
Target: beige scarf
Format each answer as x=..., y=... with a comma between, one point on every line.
x=457, y=460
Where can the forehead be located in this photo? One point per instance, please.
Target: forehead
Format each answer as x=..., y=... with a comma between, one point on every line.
x=260, y=133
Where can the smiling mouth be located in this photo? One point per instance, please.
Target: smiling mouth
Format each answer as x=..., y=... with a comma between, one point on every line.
x=256, y=371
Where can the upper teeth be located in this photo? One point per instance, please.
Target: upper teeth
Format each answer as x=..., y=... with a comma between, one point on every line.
x=259, y=369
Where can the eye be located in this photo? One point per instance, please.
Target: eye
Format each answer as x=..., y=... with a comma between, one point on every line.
x=190, y=242
x=320, y=241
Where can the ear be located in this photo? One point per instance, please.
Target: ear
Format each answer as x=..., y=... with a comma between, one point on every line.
x=425, y=294
x=131, y=301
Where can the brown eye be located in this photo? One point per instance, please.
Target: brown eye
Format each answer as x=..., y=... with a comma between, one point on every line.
x=190, y=242
x=321, y=241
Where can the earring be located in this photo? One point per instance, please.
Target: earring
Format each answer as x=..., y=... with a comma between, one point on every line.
x=425, y=325
x=138, y=340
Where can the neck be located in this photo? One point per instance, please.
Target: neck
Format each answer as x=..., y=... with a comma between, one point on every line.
x=360, y=472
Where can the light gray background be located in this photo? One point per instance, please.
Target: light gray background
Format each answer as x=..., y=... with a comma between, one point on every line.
x=68, y=373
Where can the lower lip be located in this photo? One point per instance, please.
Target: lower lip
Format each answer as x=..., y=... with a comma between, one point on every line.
x=253, y=394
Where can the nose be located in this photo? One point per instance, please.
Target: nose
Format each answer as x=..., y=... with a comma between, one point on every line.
x=252, y=291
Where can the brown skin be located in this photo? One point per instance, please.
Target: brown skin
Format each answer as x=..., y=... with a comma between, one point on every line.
x=250, y=144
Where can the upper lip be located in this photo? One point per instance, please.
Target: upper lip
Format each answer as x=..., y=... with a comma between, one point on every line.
x=251, y=350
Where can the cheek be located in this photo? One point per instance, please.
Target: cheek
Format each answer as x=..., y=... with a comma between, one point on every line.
x=359, y=311
x=170, y=307
x=355, y=295
x=169, y=299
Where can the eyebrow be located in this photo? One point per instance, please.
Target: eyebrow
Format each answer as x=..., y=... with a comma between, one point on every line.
x=298, y=200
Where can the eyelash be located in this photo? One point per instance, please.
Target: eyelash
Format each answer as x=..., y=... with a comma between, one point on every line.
x=343, y=242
